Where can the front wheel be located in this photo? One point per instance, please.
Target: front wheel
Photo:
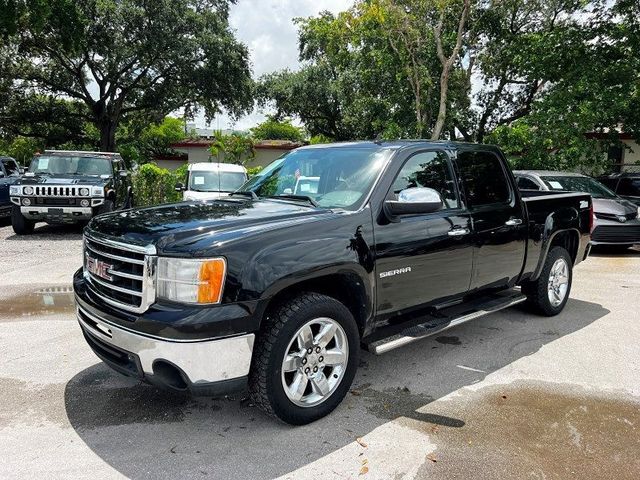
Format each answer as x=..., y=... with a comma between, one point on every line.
x=305, y=359
x=549, y=293
x=20, y=224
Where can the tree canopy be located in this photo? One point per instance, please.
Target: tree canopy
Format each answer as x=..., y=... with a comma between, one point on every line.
x=108, y=60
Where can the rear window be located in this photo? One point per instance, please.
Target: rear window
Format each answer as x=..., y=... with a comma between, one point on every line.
x=578, y=184
x=484, y=178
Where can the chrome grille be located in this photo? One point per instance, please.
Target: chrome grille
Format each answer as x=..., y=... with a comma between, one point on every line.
x=122, y=275
x=58, y=190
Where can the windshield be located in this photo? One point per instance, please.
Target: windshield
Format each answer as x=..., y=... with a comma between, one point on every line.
x=332, y=177
x=212, y=181
x=71, y=165
x=11, y=168
x=579, y=184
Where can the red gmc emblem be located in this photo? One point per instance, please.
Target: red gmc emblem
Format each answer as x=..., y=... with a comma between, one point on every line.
x=99, y=268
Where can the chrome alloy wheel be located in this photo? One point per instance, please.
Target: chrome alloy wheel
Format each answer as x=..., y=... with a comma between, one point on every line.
x=315, y=362
x=558, y=282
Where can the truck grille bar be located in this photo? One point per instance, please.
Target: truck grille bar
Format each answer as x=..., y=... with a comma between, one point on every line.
x=121, y=275
x=58, y=191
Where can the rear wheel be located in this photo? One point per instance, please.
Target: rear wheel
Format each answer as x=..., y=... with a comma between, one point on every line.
x=20, y=224
x=305, y=359
x=549, y=293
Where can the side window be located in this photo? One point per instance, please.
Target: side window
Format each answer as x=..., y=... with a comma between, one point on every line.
x=525, y=183
x=484, y=178
x=629, y=187
x=11, y=168
x=428, y=169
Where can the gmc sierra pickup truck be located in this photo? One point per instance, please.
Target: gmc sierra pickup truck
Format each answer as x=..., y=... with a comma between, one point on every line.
x=279, y=291
x=69, y=187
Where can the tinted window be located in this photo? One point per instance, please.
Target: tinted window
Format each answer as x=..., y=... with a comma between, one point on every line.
x=484, y=179
x=525, y=183
x=11, y=167
x=629, y=186
x=428, y=169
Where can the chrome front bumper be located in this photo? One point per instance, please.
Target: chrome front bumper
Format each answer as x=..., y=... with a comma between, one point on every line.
x=72, y=213
x=200, y=363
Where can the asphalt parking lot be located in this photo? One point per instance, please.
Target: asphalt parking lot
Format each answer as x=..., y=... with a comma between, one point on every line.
x=511, y=395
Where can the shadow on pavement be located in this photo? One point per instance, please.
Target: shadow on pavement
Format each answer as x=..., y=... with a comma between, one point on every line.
x=144, y=432
x=45, y=231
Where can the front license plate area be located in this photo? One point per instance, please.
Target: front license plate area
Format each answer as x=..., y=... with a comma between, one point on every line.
x=55, y=211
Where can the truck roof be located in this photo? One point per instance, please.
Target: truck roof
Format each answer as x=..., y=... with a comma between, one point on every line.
x=396, y=144
x=83, y=153
x=211, y=166
x=547, y=173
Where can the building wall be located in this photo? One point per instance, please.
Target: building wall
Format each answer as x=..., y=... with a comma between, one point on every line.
x=264, y=156
x=632, y=153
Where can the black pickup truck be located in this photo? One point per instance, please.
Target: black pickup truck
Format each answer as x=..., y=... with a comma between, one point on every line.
x=395, y=242
x=69, y=187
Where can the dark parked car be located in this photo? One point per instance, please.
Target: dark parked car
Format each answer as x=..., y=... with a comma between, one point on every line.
x=616, y=223
x=69, y=187
x=626, y=185
x=399, y=241
x=9, y=175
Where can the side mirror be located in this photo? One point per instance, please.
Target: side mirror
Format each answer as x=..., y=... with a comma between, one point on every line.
x=22, y=170
x=1, y=174
x=179, y=187
x=123, y=173
x=414, y=201
x=287, y=191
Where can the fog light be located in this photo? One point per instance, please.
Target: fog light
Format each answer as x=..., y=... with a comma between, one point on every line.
x=26, y=202
x=84, y=203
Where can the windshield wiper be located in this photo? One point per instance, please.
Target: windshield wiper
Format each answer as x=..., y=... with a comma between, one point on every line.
x=246, y=193
x=303, y=198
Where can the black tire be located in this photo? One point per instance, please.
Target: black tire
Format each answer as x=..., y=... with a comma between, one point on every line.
x=21, y=225
x=537, y=291
x=278, y=329
x=106, y=207
x=129, y=203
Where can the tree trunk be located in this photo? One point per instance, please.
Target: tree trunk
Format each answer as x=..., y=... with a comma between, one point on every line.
x=107, y=127
x=442, y=110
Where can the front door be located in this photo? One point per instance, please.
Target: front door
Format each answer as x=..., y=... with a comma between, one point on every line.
x=423, y=259
x=500, y=231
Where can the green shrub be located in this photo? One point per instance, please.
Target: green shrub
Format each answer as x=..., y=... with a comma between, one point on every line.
x=154, y=185
x=253, y=171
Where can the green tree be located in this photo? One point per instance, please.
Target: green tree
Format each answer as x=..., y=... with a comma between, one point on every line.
x=232, y=148
x=272, y=129
x=156, y=139
x=126, y=57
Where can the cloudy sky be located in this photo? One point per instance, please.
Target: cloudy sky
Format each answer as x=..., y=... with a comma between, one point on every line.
x=266, y=27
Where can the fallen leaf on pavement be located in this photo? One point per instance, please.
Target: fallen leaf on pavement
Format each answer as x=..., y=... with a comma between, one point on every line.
x=432, y=457
x=361, y=442
x=364, y=470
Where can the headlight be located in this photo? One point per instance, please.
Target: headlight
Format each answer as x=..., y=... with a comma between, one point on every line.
x=97, y=192
x=84, y=192
x=638, y=213
x=28, y=190
x=191, y=281
x=14, y=190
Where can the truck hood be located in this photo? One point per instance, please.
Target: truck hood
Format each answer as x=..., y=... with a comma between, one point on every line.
x=176, y=226
x=63, y=180
x=614, y=206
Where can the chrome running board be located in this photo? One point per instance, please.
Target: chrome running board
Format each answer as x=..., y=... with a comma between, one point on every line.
x=435, y=325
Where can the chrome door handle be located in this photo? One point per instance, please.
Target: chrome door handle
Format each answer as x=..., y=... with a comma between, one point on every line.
x=513, y=222
x=458, y=232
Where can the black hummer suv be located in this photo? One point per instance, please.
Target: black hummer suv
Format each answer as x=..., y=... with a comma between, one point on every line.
x=69, y=187
x=395, y=241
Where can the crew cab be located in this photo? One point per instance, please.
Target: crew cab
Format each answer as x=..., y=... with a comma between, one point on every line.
x=69, y=187
x=9, y=175
x=279, y=291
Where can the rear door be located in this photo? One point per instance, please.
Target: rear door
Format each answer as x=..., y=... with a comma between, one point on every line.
x=8, y=175
x=425, y=258
x=499, y=236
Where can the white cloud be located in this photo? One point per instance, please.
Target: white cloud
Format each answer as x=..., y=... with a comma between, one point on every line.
x=267, y=28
